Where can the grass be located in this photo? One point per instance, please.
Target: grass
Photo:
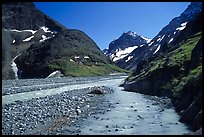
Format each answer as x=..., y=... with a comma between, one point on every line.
x=77, y=69
x=183, y=53
x=173, y=60
x=184, y=80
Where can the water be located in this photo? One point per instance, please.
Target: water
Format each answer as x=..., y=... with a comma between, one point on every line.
x=133, y=113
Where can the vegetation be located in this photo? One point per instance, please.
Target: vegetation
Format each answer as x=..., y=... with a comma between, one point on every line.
x=76, y=69
x=174, y=64
x=184, y=51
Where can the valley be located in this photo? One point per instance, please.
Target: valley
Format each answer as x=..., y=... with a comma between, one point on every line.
x=68, y=108
x=57, y=80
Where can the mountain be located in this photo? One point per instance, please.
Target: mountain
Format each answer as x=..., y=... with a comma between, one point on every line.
x=34, y=46
x=164, y=39
x=175, y=70
x=124, y=45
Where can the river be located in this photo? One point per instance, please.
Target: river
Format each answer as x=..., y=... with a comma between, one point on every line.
x=131, y=114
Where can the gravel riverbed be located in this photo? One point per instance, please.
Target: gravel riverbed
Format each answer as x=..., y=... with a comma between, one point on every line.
x=68, y=106
x=47, y=114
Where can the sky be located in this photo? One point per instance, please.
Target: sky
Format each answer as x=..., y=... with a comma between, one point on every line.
x=105, y=21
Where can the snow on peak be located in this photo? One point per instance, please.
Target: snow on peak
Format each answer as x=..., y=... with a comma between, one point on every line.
x=134, y=34
x=146, y=39
x=122, y=53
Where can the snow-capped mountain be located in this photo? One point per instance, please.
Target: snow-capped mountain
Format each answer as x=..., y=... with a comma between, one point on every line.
x=170, y=32
x=124, y=45
x=167, y=37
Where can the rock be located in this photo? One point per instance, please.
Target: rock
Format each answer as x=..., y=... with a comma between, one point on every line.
x=139, y=116
x=197, y=121
x=97, y=90
x=198, y=132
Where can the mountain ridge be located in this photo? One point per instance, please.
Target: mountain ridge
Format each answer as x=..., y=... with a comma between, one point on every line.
x=44, y=46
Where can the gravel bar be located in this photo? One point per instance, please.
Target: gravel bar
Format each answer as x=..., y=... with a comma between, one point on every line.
x=47, y=115
x=27, y=85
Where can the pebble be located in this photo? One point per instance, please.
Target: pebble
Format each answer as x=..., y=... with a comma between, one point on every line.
x=22, y=116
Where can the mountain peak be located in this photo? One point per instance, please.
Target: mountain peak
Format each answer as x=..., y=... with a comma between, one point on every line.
x=131, y=33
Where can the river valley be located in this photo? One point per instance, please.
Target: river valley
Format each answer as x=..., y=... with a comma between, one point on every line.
x=65, y=106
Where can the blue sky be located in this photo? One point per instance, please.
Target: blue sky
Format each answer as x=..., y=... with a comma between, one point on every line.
x=106, y=21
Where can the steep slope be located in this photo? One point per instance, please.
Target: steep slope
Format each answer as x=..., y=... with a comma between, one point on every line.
x=164, y=39
x=125, y=44
x=176, y=73
x=38, y=45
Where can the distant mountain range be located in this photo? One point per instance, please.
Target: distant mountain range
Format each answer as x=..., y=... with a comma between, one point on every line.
x=124, y=45
x=34, y=46
x=166, y=36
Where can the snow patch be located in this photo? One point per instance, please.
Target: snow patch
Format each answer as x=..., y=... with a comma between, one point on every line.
x=150, y=43
x=46, y=29
x=44, y=38
x=134, y=34
x=56, y=73
x=86, y=57
x=180, y=28
x=183, y=25
x=171, y=40
x=174, y=32
x=71, y=60
x=14, y=41
x=14, y=67
x=28, y=39
x=157, y=49
x=129, y=58
x=146, y=39
x=76, y=57
x=32, y=31
x=141, y=46
x=160, y=39
x=122, y=53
